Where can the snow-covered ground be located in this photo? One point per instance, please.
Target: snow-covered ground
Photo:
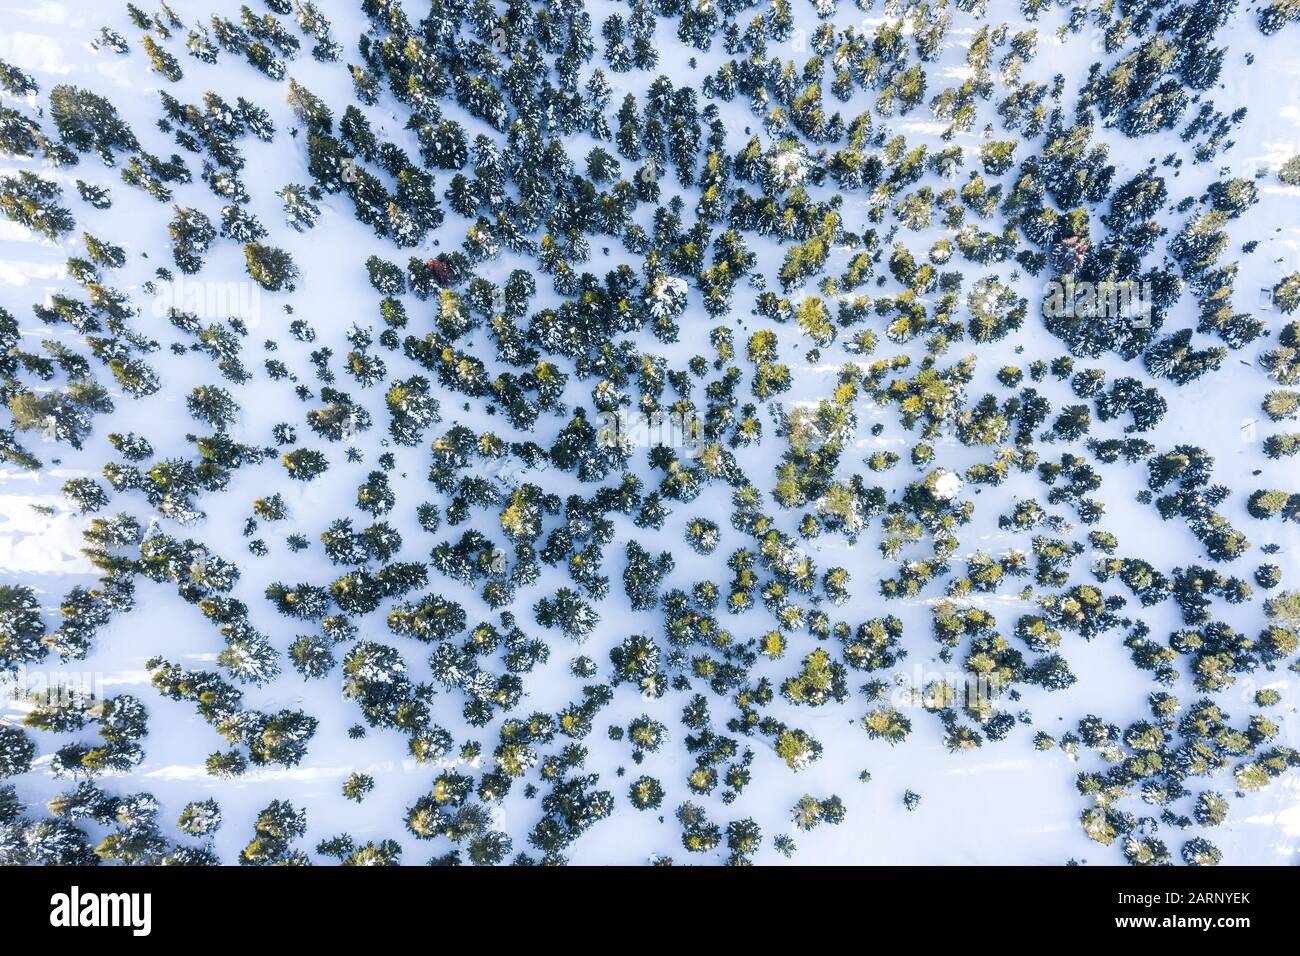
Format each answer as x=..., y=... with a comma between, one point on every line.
x=1002, y=803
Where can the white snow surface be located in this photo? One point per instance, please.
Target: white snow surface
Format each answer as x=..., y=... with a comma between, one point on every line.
x=1003, y=803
